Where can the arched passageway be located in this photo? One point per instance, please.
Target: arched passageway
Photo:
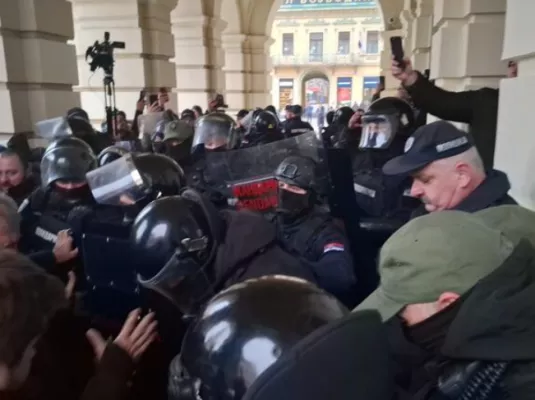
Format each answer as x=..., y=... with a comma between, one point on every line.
x=315, y=87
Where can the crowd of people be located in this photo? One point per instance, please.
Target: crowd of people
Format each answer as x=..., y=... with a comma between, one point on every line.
x=200, y=255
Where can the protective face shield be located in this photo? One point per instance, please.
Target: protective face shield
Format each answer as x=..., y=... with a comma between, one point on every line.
x=118, y=183
x=148, y=123
x=53, y=128
x=67, y=160
x=378, y=131
x=215, y=131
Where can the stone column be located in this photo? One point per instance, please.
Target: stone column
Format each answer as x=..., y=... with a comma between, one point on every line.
x=199, y=59
x=391, y=83
x=422, y=30
x=37, y=66
x=145, y=27
x=515, y=145
x=247, y=70
x=235, y=70
x=260, y=70
x=407, y=17
x=467, y=43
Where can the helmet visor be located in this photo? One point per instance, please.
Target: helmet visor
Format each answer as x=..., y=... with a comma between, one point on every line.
x=377, y=131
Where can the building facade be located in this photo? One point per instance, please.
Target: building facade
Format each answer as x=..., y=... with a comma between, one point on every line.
x=326, y=52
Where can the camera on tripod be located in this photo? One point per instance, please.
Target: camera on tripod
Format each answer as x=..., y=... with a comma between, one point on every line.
x=102, y=54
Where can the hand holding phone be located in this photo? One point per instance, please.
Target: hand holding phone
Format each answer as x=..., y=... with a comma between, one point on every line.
x=396, y=43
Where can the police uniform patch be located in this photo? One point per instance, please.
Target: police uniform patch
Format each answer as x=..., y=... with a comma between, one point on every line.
x=408, y=144
x=334, y=246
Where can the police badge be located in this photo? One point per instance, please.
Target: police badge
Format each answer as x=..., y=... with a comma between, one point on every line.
x=408, y=144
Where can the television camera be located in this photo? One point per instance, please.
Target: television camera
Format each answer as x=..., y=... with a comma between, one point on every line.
x=101, y=55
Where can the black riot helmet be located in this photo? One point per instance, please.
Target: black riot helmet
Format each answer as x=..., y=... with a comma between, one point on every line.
x=67, y=159
x=330, y=117
x=242, y=331
x=110, y=154
x=187, y=113
x=342, y=116
x=385, y=119
x=295, y=110
x=271, y=109
x=162, y=175
x=215, y=131
x=188, y=116
x=264, y=124
x=298, y=171
x=177, y=237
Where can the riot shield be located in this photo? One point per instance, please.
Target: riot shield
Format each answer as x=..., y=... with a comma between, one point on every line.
x=147, y=123
x=118, y=183
x=246, y=176
x=53, y=128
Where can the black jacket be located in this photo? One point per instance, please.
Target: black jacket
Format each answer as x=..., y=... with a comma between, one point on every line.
x=491, y=193
x=250, y=250
x=479, y=108
x=295, y=127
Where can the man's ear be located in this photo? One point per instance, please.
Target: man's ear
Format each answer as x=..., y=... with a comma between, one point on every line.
x=465, y=174
x=446, y=299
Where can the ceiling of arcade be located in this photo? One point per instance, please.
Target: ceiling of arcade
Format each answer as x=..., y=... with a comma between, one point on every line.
x=255, y=17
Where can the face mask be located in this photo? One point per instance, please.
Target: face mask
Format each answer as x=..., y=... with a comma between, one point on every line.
x=178, y=153
x=292, y=203
x=74, y=196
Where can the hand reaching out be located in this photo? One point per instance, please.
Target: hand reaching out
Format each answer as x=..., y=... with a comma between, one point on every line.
x=135, y=337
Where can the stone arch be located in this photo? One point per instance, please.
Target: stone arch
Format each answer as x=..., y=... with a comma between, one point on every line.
x=264, y=14
x=316, y=73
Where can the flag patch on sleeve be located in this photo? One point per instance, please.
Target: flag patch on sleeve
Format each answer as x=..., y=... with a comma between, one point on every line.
x=334, y=246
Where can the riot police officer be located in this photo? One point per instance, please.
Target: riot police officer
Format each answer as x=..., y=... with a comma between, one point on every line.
x=188, y=116
x=344, y=136
x=384, y=202
x=191, y=251
x=260, y=320
x=308, y=232
x=63, y=187
x=214, y=132
x=121, y=188
x=263, y=130
x=136, y=180
x=294, y=125
x=386, y=126
x=110, y=154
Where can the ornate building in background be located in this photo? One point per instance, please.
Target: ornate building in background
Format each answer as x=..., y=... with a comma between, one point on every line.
x=326, y=52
